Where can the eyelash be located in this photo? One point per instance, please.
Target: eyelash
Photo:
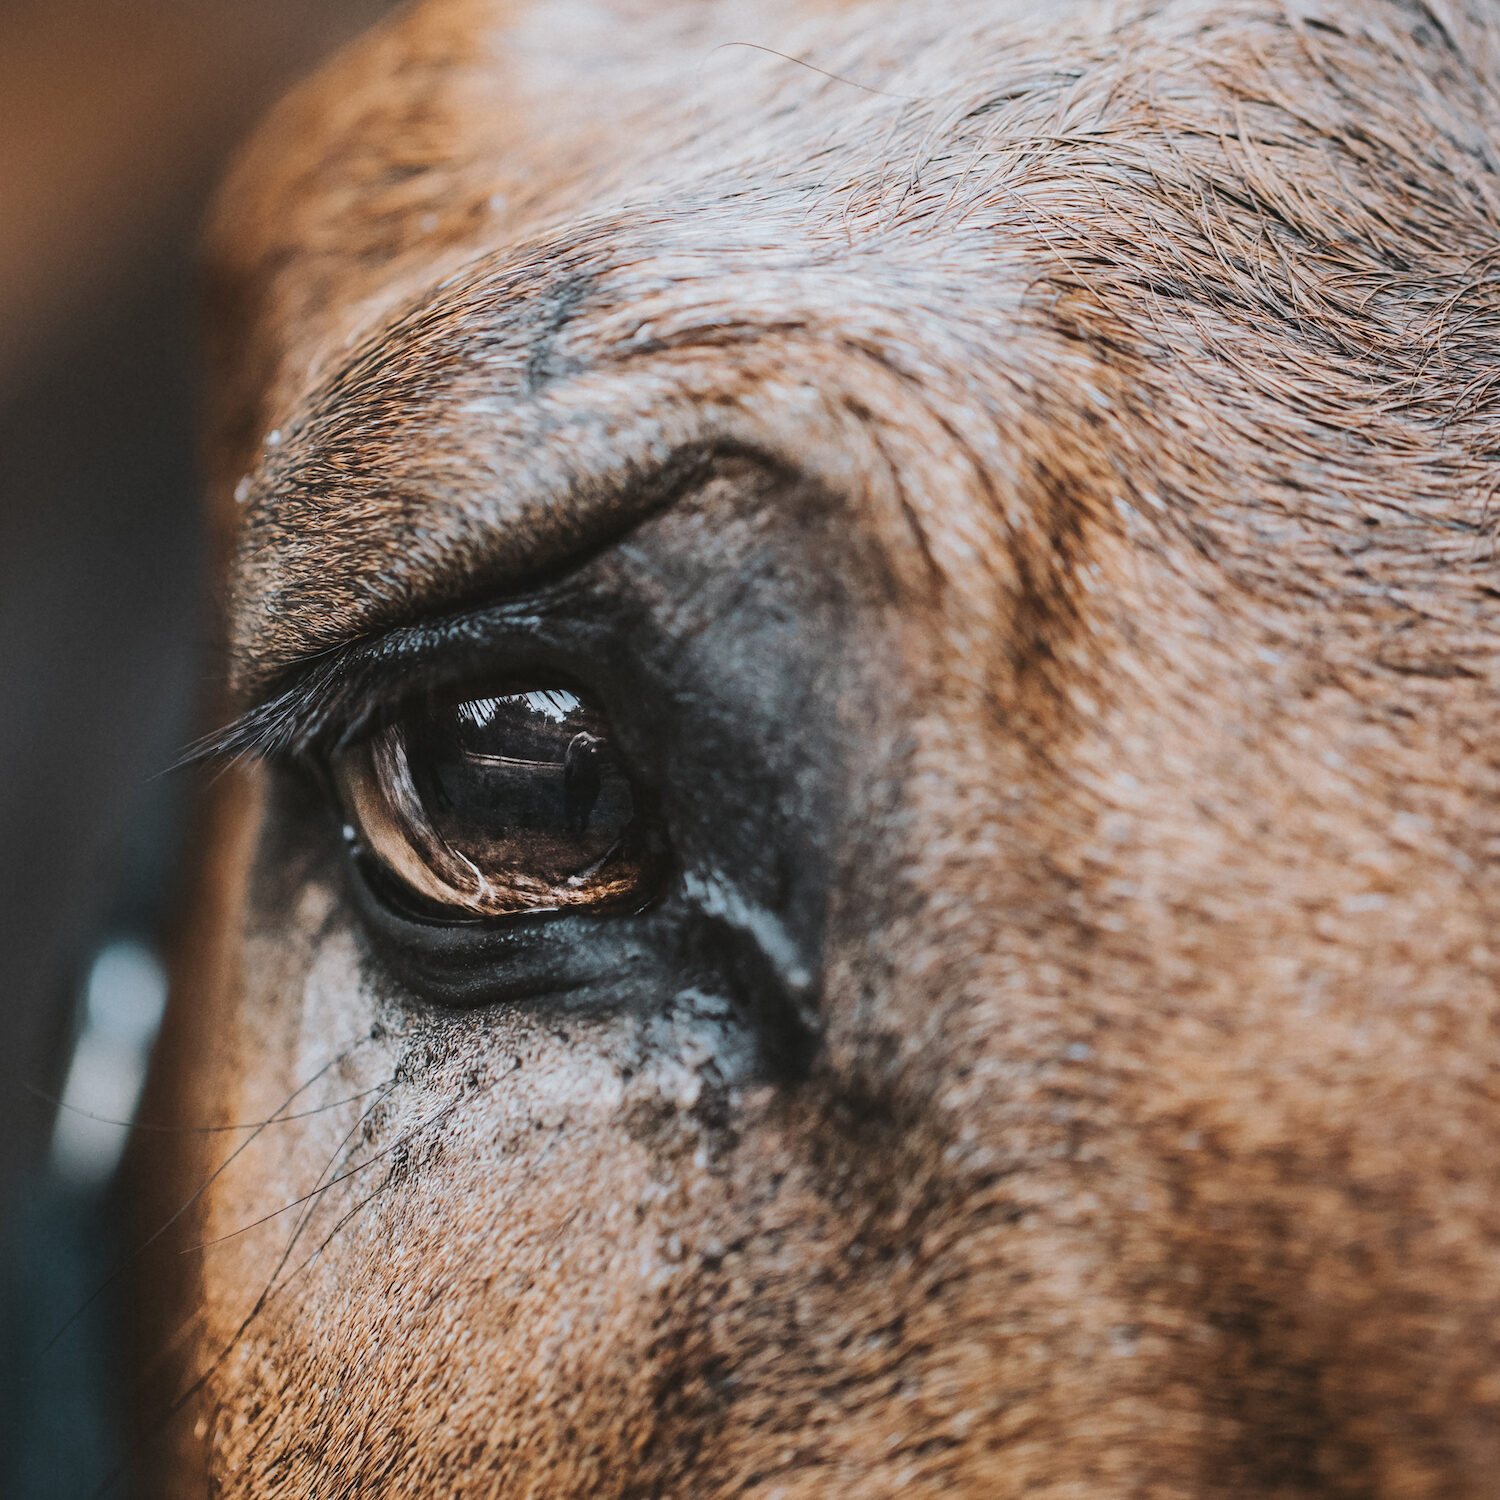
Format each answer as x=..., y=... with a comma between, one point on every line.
x=315, y=717
x=358, y=689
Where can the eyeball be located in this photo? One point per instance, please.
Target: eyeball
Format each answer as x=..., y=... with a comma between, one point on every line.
x=490, y=806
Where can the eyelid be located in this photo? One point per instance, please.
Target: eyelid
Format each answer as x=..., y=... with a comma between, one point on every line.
x=325, y=701
x=544, y=528
x=338, y=698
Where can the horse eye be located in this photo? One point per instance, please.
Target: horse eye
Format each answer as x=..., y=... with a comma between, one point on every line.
x=516, y=803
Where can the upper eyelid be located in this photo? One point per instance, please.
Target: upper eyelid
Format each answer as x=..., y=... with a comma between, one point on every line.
x=320, y=702
x=333, y=699
x=275, y=613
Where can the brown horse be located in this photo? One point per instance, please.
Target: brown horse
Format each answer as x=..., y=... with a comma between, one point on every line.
x=1007, y=492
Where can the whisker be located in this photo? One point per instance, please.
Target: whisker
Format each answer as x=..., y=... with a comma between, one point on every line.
x=272, y=1290
x=802, y=62
x=224, y=1166
x=315, y=1192
x=363, y=1203
x=278, y=1119
x=327, y=1240
x=342, y=1154
x=275, y=1287
x=180, y=1401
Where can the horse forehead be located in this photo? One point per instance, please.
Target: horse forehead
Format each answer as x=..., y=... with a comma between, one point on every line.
x=965, y=159
x=470, y=125
x=949, y=140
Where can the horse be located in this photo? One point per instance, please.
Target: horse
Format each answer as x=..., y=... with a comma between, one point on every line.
x=1010, y=491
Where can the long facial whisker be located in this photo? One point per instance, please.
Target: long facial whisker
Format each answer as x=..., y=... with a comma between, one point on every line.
x=314, y=1192
x=346, y=1218
x=145, y=1125
x=275, y=1287
x=306, y=1261
x=405, y=1139
x=139, y=1443
x=197, y=1314
x=272, y=1289
x=130, y=1259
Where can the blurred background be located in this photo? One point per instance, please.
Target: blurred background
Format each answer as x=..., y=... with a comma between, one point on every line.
x=116, y=117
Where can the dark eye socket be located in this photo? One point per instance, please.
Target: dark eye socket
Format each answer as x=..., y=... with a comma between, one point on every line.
x=517, y=802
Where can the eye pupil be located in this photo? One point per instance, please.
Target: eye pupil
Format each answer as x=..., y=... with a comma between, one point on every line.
x=523, y=778
x=509, y=803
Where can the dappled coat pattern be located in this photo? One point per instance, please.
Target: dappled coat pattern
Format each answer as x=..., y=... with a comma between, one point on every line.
x=1035, y=471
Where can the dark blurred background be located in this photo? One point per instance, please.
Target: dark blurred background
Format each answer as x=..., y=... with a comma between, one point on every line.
x=116, y=117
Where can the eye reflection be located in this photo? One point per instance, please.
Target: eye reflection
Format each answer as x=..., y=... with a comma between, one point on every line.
x=517, y=802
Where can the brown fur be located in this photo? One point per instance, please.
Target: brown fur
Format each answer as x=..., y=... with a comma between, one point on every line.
x=1152, y=1144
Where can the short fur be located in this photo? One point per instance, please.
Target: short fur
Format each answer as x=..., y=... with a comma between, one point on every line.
x=1151, y=1142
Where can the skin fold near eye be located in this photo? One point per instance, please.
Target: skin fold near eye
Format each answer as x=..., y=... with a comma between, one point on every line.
x=500, y=805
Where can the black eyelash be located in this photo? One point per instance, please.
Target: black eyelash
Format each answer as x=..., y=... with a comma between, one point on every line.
x=329, y=701
x=326, y=706
x=336, y=699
